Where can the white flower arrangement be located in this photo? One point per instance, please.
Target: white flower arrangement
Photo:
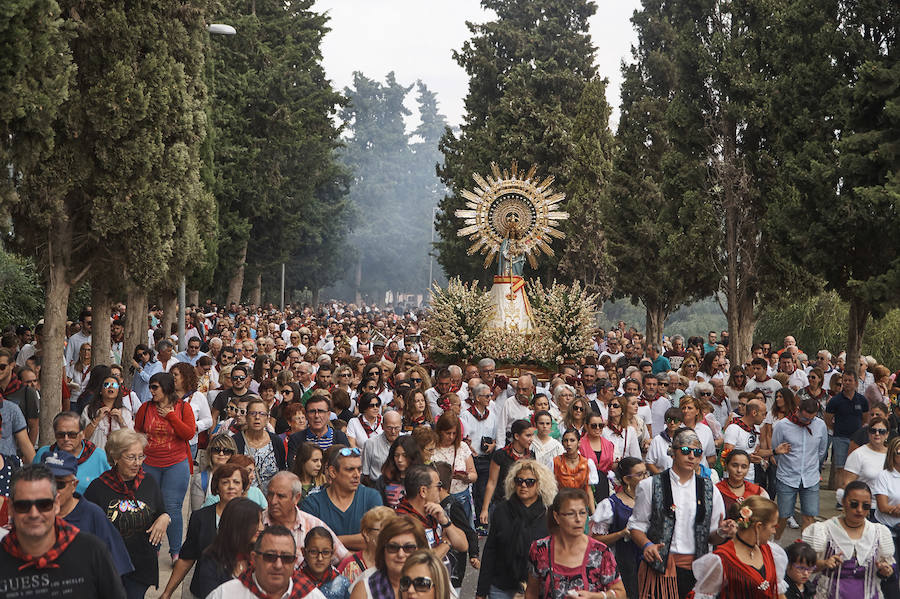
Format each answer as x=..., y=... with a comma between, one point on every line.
x=564, y=317
x=458, y=318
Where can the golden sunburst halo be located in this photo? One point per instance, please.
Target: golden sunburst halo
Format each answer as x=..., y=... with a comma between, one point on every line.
x=511, y=199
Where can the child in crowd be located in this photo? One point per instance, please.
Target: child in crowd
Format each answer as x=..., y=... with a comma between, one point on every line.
x=801, y=563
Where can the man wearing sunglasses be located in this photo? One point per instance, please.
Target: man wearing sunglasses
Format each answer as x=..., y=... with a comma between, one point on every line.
x=677, y=515
x=240, y=389
x=344, y=502
x=800, y=443
x=45, y=556
x=69, y=437
x=271, y=572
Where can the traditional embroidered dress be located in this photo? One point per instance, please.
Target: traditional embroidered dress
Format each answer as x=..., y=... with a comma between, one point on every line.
x=729, y=497
x=596, y=573
x=612, y=515
x=575, y=477
x=857, y=577
x=722, y=574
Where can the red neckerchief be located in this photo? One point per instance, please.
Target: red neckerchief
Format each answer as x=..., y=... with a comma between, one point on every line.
x=370, y=430
x=14, y=384
x=429, y=522
x=112, y=480
x=718, y=401
x=513, y=455
x=796, y=420
x=302, y=586
x=615, y=429
x=87, y=450
x=821, y=392
x=327, y=576
x=479, y=418
x=744, y=426
x=65, y=534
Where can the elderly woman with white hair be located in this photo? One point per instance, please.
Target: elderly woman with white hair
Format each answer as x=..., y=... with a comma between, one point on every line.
x=677, y=514
x=134, y=504
x=517, y=522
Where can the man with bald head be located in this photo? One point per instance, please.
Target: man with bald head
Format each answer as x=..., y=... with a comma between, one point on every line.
x=743, y=433
x=283, y=494
x=375, y=451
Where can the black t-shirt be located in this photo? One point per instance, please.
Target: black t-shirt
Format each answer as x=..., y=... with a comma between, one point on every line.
x=208, y=575
x=224, y=397
x=85, y=571
x=132, y=518
x=28, y=401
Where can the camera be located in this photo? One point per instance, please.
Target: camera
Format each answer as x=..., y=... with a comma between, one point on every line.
x=486, y=442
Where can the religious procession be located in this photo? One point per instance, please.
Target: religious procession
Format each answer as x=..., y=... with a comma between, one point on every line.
x=499, y=299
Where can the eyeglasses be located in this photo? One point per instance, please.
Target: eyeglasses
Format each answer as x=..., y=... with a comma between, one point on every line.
x=66, y=434
x=416, y=381
x=238, y=377
x=596, y=425
x=642, y=474
x=312, y=411
x=528, y=482
x=23, y=506
x=673, y=421
x=804, y=569
x=238, y=411
x=350, y=451
x=422, y=584
x=222, y=450
x=854, y=504
x=392, y=428
x=615, y=405
x=705, y=394
x=577, y=408
x=134, y=459
x=257, y=414
x=695, y=450
x=287, y=391
x=154, y=387
x=877, y=431
x=110, y=385
x=315, y=553
x=579, y=514
x=396, y=547
x=374, y=404
x=271, y=558
x=62, y=484
x=343, y=374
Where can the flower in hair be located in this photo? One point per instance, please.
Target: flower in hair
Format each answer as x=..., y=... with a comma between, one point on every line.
x=746, y=513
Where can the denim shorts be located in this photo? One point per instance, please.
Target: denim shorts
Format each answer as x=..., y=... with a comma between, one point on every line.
x=786, y=497
x=840, y=449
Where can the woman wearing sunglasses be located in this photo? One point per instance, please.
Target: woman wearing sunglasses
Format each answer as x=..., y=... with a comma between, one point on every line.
x=368, y=423
x=854, y=554
x=600, y=450
x=576, y=416
x=135, y=505
x=424, y=577
x=677, y=514
x=867, y=462
x=609, y=524
x=105, y=413
x=568, y=560
x=516, y=523
x=220, y=448
x=400, y=537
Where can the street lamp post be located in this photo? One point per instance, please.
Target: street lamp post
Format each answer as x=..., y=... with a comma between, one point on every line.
x=434, y=211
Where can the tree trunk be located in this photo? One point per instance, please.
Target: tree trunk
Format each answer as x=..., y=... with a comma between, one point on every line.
x=315, y=295
x=52, y=371
x=101, y=305
x=741, y=324
x=656, y=318
x=256, y=291
x=136, y=329
x=193, y=297
x=169, y=304
x=236, y=285
x=859, y=316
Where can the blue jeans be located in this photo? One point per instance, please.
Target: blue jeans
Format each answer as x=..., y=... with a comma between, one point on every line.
x=173, y=482
x=483, y=469
x=786, y=497
x=465, y=500
x=495, y=593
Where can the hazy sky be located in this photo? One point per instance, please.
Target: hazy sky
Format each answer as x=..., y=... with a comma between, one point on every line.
x=415, y=39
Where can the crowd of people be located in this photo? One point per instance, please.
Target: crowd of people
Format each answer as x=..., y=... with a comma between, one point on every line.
x=324, y=453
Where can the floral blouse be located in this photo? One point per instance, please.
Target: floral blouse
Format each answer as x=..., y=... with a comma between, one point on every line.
x=596, y=573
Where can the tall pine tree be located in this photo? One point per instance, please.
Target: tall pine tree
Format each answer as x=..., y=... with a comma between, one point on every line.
x=527, y=71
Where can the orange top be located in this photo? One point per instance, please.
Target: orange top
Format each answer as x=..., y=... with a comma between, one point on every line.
x=576, y=477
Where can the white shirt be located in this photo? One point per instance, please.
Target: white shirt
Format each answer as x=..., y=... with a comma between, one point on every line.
x=865, y=463
x=768, y=387
x=374, y=455
x=684, y=499
x=509, y=412
x=798, y=380
x=545, y=452
x=741, y=439
x=887, y=484
x=626, y=444
x=74, y=346
x=235, y=589
x=476, y=429
x=358, y=433
x=658, y=454
x=706, y=440
x=432, y=397
x=202, y=414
